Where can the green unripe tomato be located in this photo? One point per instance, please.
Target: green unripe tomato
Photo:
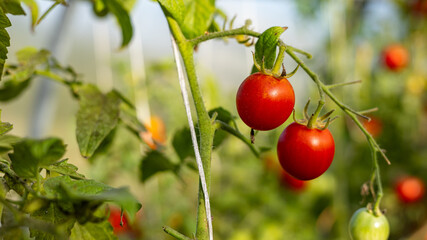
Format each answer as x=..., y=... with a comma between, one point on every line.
x=364, y=225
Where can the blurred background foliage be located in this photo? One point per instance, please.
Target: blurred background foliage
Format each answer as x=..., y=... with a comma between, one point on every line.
x=250, y=199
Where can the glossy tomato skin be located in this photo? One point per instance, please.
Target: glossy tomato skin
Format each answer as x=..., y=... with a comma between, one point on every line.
x=365, y=226
x=395, y=57
x=265, y=102
x=410, y=189
x=305, y=153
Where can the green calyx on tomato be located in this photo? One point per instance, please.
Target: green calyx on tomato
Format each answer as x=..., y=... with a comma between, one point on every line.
x=313, y=121
x=364, y=225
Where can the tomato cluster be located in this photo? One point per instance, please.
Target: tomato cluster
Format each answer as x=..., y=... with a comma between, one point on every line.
x=265, y=102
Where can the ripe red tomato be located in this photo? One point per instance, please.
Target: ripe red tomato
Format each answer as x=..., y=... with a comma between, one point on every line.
x=364, y=225
x=292, y=183
x=395, y=57
x=265, y=102
x=374, y=127
x=305, y=153
x=410, y=189
x=114, y=219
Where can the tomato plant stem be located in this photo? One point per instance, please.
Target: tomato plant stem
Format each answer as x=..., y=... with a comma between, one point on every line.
x=279, y=60
x=175, y=233
x=224, y=126
x=353, y=114
x=320, y=85
x=227, y=33
x=207, y=131
x=377, y=210
x=342, y=84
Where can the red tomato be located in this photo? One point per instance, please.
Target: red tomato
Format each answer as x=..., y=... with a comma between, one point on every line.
x=265, y=102
x=374, y=127
x=305, y=153
x=114, y=219
x=395, y=57
x=410, y=189
x=291, y=182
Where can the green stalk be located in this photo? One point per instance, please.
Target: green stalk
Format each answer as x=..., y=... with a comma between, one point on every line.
x=376, y=209
x=224, y=126
x=279, y=60
x=227, y=33
x=207, y=129
x=175, y=233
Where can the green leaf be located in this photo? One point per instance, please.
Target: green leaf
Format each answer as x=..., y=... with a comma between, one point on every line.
x=34, y=8
x=19, y=78
x=104, y=146
x=52, y=214
x=4, y=39
x=222, y=114
x=92, y=231
x=7, y=142
x=97, y=116
x=82, y=191
x=173, y=8
x=65, y=168
x=197, y=18
x=12, y=7
x=265, y=47
x=128, y=117
x=8, y=218
x=4, y=127
x=182, y=144
x=31, y=57
x=30, y=155
x=225, y=116
x=123, y=18
x=11, y=89
x=3, y=191
x=155, y=162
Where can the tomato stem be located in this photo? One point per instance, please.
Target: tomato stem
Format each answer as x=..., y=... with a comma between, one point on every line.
x=342, y=84
x=175, y=233
x=377, y=210
x=206, y=127
x=224, y=126
x=313, y=119
x=279, y=60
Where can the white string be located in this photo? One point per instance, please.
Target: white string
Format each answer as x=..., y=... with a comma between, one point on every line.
x=181, y=78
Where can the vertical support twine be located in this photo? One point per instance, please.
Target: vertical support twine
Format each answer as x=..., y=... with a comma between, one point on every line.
x=184, y=93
